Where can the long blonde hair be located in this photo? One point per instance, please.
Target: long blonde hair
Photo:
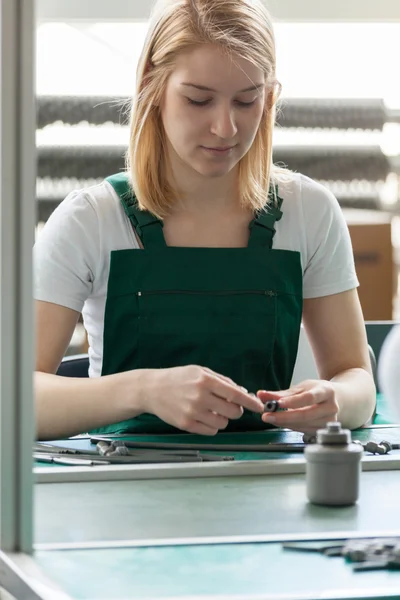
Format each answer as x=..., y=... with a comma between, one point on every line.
x=241, y=27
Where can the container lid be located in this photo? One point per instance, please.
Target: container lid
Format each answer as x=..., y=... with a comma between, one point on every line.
x=333, y=434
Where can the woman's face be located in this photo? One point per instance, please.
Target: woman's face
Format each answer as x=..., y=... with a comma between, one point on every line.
x=211, y=110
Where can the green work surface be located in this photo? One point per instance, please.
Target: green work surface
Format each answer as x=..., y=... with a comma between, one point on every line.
x=243, y=571
x=181, y=513
x=390, y=434
x=183, y=508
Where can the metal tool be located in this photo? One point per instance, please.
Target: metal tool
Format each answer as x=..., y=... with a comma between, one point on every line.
x=328, y=548
x=363, y=554
x=116, y=452
x=88, y=460
x=52, y=448
x=70, y=461
x=119, y=448
x=391, y=565
x=269, y=447
x=383, y=447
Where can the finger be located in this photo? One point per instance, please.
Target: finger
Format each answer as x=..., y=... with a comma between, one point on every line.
x=318, y=394
x=212, y=420
x=266, y=395
x=220, y=376
x=223, y=408
x=235, y=394
x=303, y=399
x=307, y=415
x=201, y=429
x=227, y=379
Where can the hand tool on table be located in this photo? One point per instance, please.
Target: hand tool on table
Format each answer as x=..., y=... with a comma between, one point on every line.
x=52, y=448
x=268, y=447
x=119, y=448
x=363, y=554
x=115, y=452
x=381, y=448
x=90, y=460
x=70, y=461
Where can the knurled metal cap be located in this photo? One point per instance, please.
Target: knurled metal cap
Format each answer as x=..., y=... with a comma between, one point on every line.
x=333, y=434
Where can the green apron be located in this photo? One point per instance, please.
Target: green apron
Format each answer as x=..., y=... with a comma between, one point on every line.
x=236, y=311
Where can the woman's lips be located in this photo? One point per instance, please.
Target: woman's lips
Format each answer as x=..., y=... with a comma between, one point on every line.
x=218, y=151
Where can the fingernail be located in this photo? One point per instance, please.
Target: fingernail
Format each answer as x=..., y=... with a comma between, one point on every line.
x=269, y=418
x=244, y=390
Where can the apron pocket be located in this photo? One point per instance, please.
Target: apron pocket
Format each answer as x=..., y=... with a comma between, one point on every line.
x=233, y=333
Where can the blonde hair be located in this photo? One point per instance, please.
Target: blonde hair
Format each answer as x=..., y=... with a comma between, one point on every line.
x=241, y=27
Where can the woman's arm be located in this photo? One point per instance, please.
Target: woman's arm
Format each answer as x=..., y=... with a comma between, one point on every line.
x=192, y=398
x=67, y=406
x=335, y=327
x=346, y=391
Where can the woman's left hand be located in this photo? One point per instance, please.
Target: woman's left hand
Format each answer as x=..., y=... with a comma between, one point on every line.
x=310, y=405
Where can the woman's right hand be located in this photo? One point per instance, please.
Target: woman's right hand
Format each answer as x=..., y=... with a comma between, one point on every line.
x=196, y=399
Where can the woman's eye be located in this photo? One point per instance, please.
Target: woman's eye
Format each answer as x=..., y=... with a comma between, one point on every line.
x=205, y=102
x=245, y=104
x=197, y=102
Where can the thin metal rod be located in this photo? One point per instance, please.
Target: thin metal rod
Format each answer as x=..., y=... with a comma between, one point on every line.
x=268, y=447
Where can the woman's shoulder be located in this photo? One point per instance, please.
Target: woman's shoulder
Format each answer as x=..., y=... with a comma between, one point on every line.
x=91, y=215
x=310, y=214
x=97, y=200
x=301, y=193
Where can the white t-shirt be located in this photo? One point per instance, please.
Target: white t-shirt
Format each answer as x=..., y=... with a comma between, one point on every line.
x=72, y=252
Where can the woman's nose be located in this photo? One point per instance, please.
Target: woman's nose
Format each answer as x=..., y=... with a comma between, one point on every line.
x=223, y=124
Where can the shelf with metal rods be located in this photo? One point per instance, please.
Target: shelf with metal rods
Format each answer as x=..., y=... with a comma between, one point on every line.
x=356, y=173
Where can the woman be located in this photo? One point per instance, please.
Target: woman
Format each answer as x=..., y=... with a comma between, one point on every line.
x=194, y=269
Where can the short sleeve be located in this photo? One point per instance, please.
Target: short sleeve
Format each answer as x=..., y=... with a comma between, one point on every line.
x=66, y=253
x=330, y=267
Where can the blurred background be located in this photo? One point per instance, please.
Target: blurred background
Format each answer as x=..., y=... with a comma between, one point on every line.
x=338, y=121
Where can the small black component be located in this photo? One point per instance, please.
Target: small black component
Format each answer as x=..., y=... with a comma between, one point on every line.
x=271, y=406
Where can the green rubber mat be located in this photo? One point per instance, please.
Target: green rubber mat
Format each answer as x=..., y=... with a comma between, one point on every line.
x=384, y=414
x=245, y=571
x=390, y=434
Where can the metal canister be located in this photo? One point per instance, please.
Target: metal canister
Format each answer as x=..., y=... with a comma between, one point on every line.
x=333, y=467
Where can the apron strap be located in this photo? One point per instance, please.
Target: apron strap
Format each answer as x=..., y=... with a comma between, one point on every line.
x=262, y=227
x=141, y=220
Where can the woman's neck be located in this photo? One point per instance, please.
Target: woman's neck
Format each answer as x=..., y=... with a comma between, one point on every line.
x=199, y=195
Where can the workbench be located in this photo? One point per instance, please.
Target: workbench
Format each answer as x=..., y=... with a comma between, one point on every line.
x=208, y=530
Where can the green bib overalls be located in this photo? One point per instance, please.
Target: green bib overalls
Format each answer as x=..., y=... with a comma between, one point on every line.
x=235, y=310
